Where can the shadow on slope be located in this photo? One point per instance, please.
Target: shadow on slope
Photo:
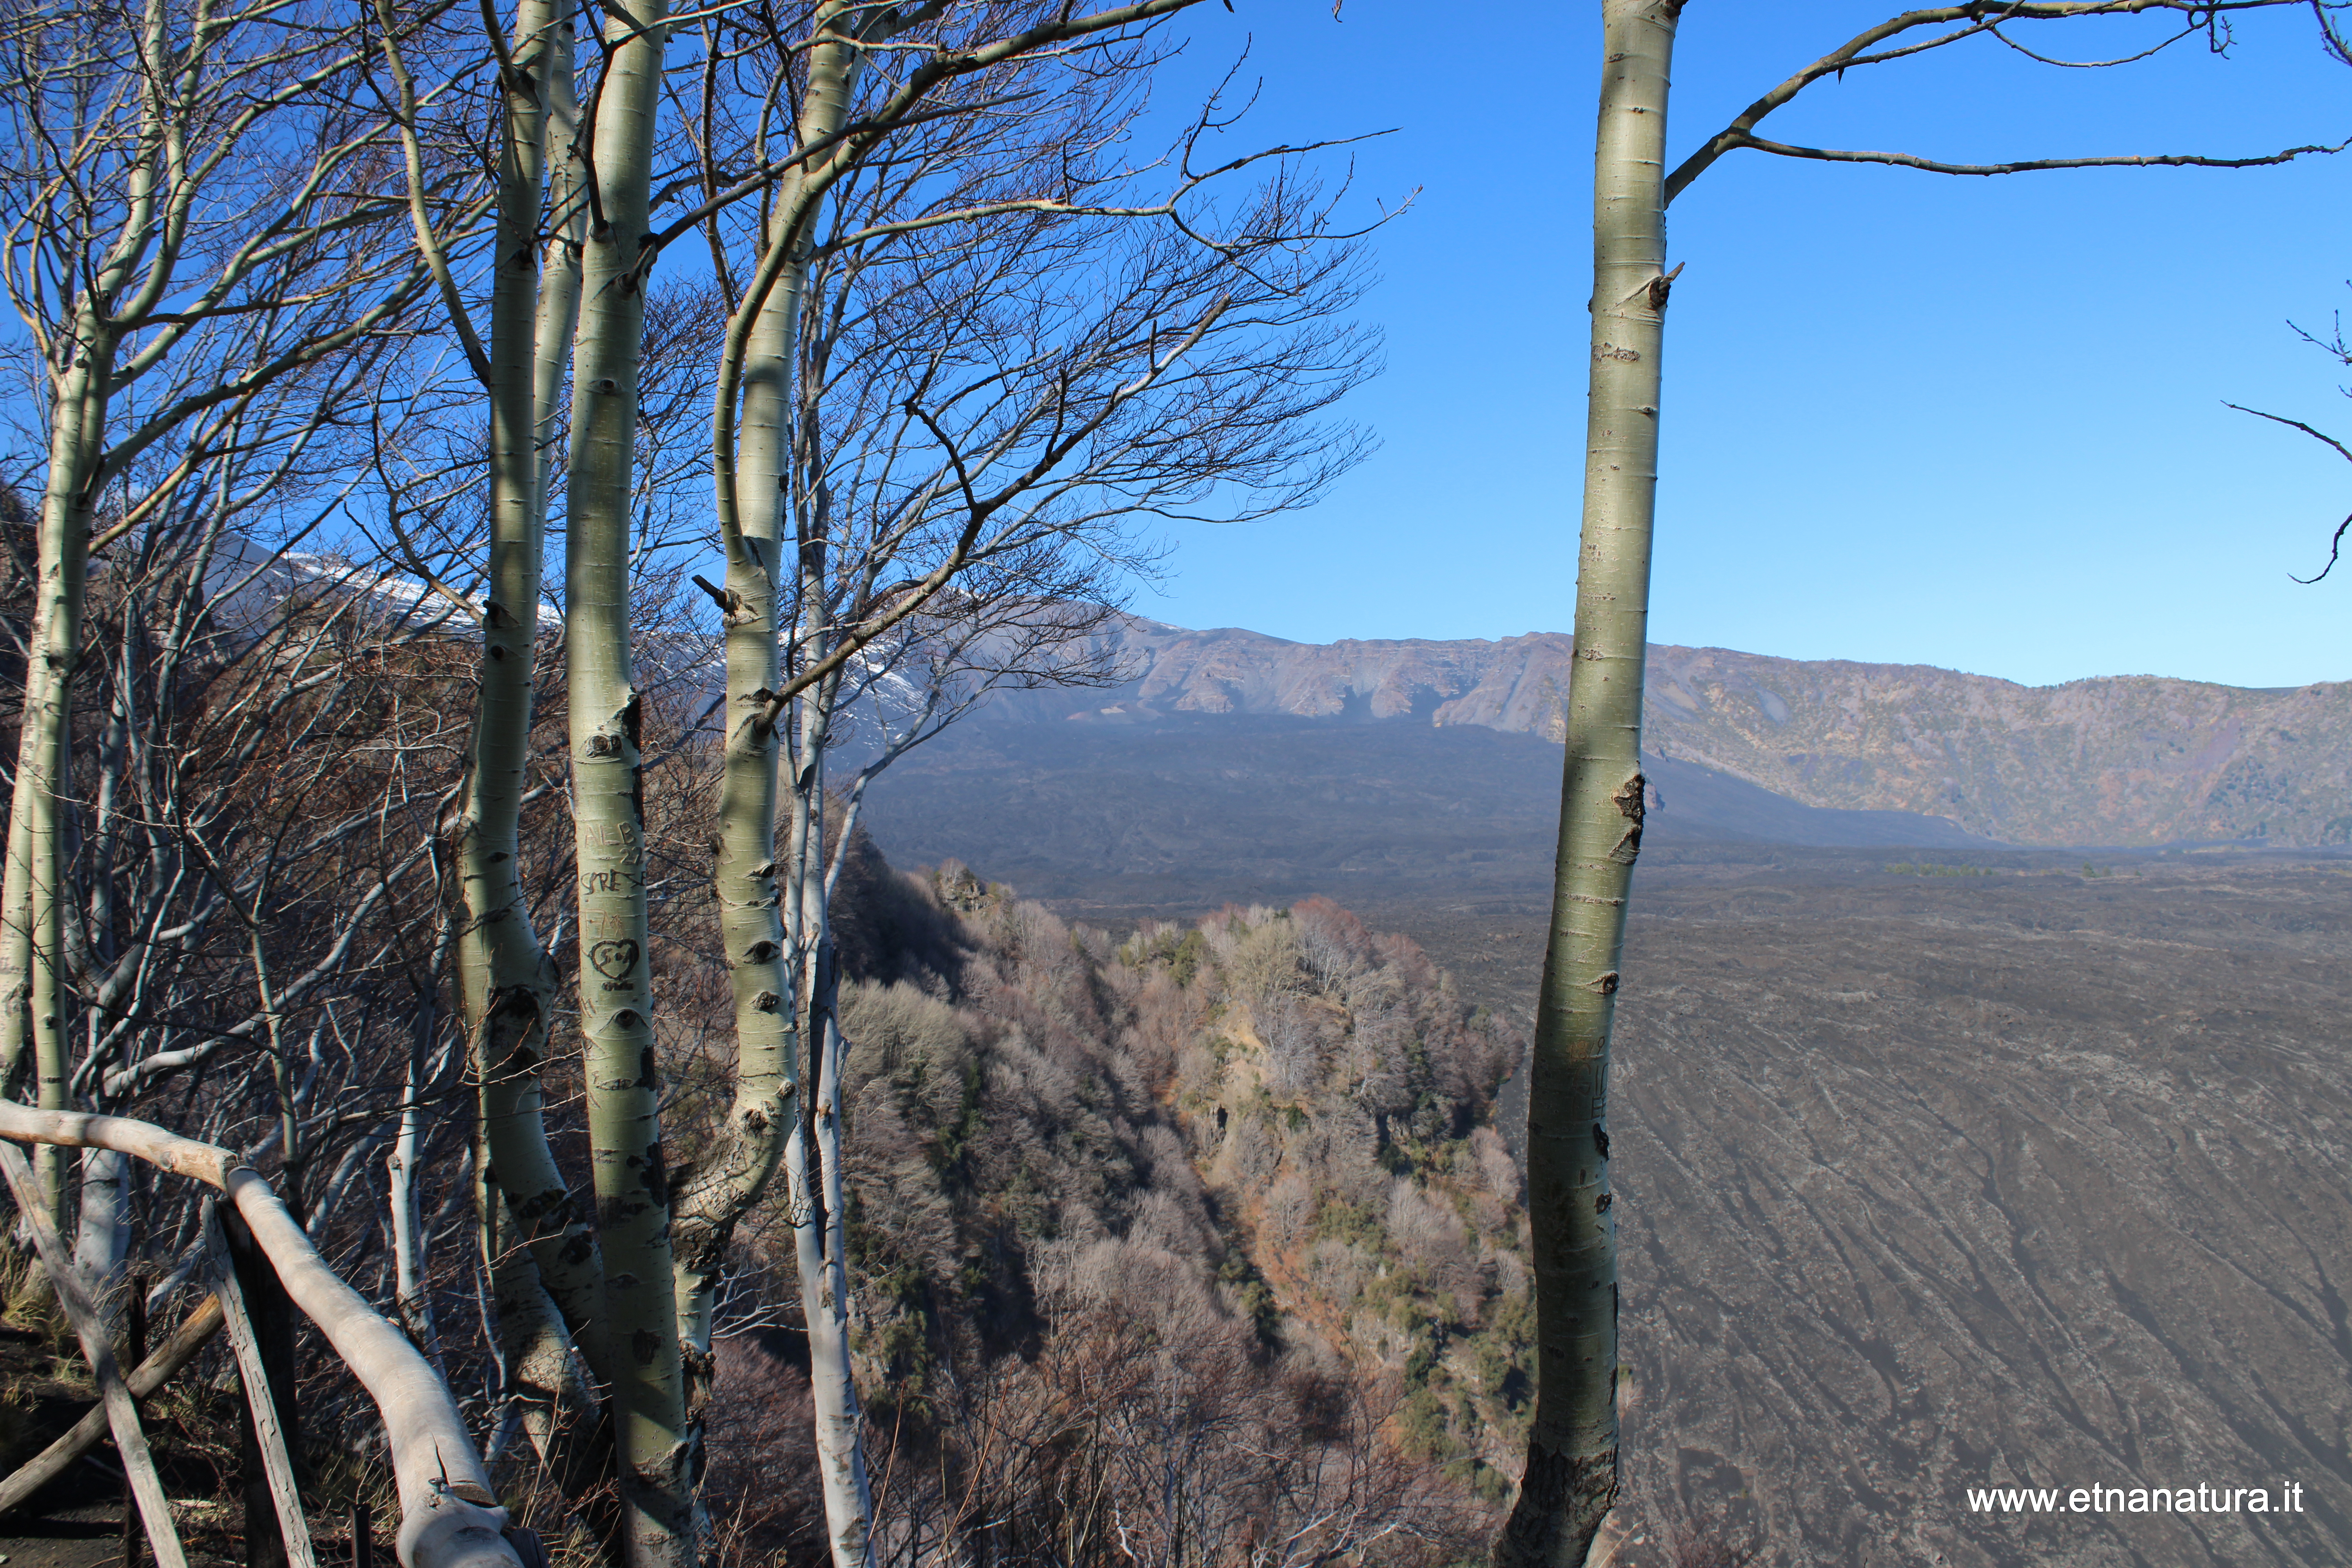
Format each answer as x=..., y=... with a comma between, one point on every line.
x=1191, y=811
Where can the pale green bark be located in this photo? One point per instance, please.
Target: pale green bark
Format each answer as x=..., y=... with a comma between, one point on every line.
x=812, y=1154
x=44, y=756
x=1571, y=1468
x=164, y=159
x=510, y=979
x=623, y=1071
x=16, y=915
x=80, y=371
x=551, y=1401
x=755, y=473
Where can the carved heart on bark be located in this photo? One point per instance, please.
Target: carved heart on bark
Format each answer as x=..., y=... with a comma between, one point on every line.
x=613, y=960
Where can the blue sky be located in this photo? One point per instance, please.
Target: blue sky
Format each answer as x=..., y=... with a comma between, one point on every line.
x=1908, y=417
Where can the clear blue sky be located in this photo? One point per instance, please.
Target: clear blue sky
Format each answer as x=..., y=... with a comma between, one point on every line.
x=1908, y=417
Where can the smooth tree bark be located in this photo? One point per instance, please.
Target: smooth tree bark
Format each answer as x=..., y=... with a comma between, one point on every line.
x=606, y=726
x=1570, y=1479
x=812, y=1154
x=541, y=1243
x=31, y=963
x=754, y=479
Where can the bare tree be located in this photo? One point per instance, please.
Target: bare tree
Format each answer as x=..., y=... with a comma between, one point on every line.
x=181, y=233
x=990, y=390
x=787, y=105
x=1570, y=1478
x=254, y=931
x=1145, y=1429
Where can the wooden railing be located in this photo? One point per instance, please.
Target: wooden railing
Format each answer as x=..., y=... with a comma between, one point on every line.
x=449, y=1517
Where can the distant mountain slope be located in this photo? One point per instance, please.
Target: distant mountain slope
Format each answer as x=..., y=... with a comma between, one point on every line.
x=1192, y=810
x=2124, y=760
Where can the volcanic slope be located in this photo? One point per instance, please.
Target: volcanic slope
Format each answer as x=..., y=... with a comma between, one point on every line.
x=1184, y=813
x=1940, y=1180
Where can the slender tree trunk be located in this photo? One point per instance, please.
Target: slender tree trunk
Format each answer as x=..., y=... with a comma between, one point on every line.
x=32, y=953
x=748, y=883
x=819, y=1234
x=813, y=1153
x=102, y=1243
x=32, y=992
x=1571, y=1468
x=623, y=1076
x=510, y=979
x=410, y=1298
x=540, y=1246
x=16, y=913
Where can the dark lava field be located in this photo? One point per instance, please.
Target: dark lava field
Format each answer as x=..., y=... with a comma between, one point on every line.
x=1939, y=1168
x=2027, y=1179
x=1934, y=1181
x=1940, y=1180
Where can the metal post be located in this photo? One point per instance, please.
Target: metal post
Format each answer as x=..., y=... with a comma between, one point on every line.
x=135, y=1351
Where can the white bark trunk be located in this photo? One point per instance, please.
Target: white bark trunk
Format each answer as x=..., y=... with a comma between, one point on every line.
x=750, y=884
x=102, y=1240
x=615, y=977
x=409, y=1297
x=813, y=1156
x=1570, y=1479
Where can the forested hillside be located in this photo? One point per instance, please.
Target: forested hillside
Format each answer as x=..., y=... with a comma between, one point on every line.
x=1201, y=1240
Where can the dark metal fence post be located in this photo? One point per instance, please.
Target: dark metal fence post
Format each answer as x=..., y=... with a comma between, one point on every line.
x=273, y=1327
x=134, y=1530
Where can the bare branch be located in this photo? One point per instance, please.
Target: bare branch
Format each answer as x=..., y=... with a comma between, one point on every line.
x=1974, y=18
x=2036, y=165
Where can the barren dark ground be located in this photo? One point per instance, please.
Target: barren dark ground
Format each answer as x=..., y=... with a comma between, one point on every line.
x=1932, y=1182
x=1927, y=1181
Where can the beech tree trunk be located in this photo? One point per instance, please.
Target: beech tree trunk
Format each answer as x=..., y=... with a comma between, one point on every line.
x=1570, y=1479
x=623, y=1069
x=510, y=979
x=750, y=883
x=33, y=1009
x=813, y=1156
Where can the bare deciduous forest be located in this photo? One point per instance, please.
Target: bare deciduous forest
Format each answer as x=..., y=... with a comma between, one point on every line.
x=492, y=494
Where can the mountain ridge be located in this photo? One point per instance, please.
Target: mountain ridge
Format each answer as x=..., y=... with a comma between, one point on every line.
x=2105, y=760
